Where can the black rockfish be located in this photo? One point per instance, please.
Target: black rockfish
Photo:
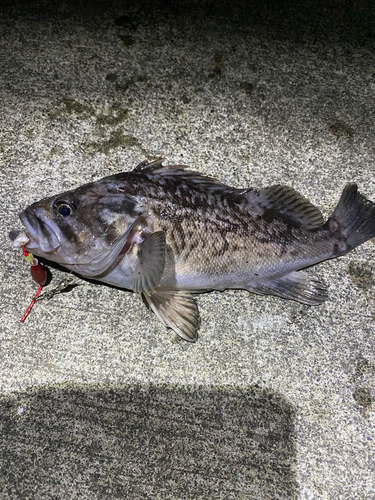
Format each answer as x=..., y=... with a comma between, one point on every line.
x=165, y=233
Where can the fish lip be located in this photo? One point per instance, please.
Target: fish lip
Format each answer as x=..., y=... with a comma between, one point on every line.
x=35, y=227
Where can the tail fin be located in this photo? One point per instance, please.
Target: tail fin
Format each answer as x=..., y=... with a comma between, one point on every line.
x=354, y=217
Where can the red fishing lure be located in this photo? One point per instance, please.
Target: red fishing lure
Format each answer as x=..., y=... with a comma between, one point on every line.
x=39, y=274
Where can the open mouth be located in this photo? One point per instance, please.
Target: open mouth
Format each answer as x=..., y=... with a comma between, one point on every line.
x=41, y=233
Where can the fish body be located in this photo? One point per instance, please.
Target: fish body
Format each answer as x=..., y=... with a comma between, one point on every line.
x=166, y=232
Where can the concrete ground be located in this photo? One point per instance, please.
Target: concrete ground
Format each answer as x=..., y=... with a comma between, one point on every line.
x=98, y=399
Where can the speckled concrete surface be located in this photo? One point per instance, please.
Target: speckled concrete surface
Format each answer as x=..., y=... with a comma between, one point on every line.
x=275, y=400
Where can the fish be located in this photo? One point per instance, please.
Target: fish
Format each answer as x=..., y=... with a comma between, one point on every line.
x=167, y=233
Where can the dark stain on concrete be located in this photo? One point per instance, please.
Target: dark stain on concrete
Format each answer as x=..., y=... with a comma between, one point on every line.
x=117, y=115
x=75, y=107
x=111, y=77
x=364, y=367
x=123, y=85
x=340, y=129
x=218, y=66
x=361, y=275
x=130, y=20
x=116, y=139
x=364, y=400
x=127, y=40
x=247, y=87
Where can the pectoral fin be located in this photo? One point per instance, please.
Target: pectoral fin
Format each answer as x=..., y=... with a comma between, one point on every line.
x=176, y=309
x=150, y=263
x=297, y=285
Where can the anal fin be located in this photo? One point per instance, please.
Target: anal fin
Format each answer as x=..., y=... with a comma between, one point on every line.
x=177, y=309
x=297, y=285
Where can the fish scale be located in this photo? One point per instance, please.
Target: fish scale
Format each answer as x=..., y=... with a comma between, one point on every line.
x=166, y=232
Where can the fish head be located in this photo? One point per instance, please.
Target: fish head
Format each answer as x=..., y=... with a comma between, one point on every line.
x=84, y=230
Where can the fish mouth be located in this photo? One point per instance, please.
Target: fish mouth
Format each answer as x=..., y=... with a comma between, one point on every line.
x=40, y=231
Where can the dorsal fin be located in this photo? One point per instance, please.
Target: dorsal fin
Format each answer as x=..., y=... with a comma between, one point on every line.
x=289, y=202
x=202, y=182
x=282, y=199
x=151, y=166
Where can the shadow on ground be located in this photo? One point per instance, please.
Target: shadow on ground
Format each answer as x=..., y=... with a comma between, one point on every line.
x=138, y=442
x=307, y=20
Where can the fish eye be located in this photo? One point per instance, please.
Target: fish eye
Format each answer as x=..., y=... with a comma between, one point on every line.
x=64, y=208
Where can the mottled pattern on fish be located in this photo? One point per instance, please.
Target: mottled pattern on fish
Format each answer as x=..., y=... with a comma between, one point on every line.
x=166, y=232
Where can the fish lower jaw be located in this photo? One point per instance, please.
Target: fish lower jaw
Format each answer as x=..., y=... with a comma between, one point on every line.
x=32, y=246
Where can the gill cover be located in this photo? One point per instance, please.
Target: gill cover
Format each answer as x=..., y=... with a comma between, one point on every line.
x=103, y=260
